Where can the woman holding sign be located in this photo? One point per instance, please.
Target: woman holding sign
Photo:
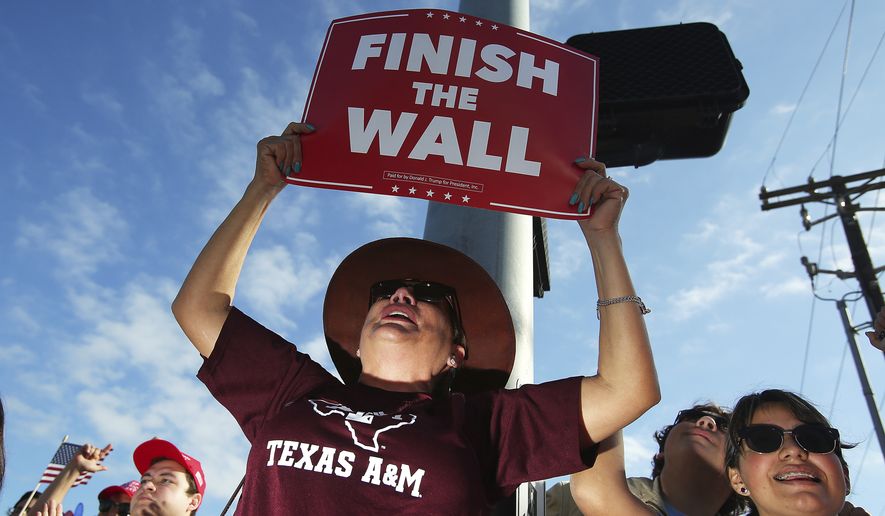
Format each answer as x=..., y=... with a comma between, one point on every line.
x=424, y=343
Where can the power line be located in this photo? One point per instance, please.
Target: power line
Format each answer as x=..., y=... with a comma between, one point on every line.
x=838, y=382
x=802, y=95
x=808, y=339
x=841, y=88
x=851, y=102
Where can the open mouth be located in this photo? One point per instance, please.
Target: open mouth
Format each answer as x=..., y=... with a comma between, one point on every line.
x=401, y=314
x=797, y=476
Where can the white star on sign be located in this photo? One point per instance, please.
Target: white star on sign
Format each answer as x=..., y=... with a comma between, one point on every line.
x=430, y=15
x=462, y=19
x=412, y=191
x=494, y=27
x=448, y=196
x=465, y=199
x=446, y=16
x=479, y=23
x=430, y=193
x=395, y=189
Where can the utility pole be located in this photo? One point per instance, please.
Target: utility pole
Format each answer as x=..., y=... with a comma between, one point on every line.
x=502, y=244
x=841, y=191
x=868, y=395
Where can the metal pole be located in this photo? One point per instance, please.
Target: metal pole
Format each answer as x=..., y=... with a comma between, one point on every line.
x=862, y=374
x=860, y=255
x=500, y=242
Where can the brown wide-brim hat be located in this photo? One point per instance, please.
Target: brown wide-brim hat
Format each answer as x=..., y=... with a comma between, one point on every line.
x=491, y=340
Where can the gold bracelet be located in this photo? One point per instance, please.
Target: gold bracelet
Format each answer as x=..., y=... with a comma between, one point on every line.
x=623, y=299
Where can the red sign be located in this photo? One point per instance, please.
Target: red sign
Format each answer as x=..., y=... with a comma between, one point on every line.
x=447, y=107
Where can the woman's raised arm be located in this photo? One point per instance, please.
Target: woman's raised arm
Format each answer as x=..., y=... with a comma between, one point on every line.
x=205, y=297
x=626, y=384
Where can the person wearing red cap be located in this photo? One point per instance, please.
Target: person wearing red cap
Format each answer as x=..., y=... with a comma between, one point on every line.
x=172, y=482
x=424, y=343
x=114, y=500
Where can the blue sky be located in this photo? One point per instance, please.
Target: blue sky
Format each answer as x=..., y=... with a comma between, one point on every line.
x=129, y=132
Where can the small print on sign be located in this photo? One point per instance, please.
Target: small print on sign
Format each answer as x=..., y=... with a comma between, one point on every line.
x=447, y=107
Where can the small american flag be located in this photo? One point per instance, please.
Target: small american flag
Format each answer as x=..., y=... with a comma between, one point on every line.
x=62, y=457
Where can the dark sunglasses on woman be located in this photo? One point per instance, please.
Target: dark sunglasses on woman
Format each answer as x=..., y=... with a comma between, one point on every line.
x=426, y=291
x=107, y=505
x=770, y=438
x=693, y=415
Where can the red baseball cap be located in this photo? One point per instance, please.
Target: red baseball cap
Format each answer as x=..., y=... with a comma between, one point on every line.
x=128, y=489
x=147, y=451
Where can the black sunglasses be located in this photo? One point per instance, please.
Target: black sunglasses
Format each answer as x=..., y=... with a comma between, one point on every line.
x=107, y=505
x=427, y=291
x=770, y=438
x=693, y=415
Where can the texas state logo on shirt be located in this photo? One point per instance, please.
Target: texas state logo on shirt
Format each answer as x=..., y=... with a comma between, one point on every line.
x=376, y=422
x=367, y=429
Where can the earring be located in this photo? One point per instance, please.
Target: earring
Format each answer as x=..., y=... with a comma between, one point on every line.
x=357, y=352
x=745, y=491
x=452, y=362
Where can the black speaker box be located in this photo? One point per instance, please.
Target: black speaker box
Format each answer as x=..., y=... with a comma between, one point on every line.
x=665, y=92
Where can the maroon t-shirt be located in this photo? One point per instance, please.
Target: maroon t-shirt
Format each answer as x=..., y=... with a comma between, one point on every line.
x=321, y=447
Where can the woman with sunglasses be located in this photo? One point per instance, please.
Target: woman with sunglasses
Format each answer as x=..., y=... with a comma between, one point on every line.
x=423, y=341
x=785, y=458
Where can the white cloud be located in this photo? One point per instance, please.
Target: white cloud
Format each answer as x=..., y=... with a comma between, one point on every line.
x=246, y=22
x=745, y=250
x=40, y=423
x=34, y=96
x=102, y=100
x=723, y=277
x=547, y=14
x=385, y=215
x=206, y=83
x=686, y=11
x=319, y=352
x=78, y=229
x=630, y=177
x=792, y=286
x=16, y=355
x=88, y=164
x=82, y=135
x=637, y=455
x=340, y=9
x=191, y=69
x=229, y=158
x=720, y=328
x=706, y=230
x=111, y=414
x=128, y=376
x=179, y=87
x=782, y=109
x=275, y=280
x=567, y=256
x=23, y=320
